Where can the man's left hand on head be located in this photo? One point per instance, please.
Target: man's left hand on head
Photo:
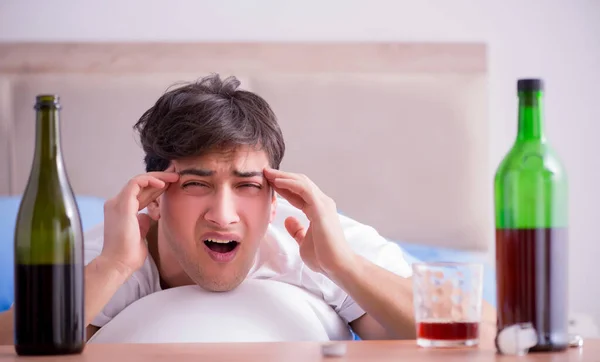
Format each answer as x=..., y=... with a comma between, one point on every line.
x=323, y=246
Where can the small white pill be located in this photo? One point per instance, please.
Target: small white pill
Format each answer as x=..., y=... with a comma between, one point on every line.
x=333, y=349
x=575, y=341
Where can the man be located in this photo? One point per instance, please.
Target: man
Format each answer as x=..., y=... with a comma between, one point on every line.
x=212, y=159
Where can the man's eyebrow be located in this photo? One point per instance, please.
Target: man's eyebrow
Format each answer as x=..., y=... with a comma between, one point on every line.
x=196, y=172
x=246, y=174
x=205, y=173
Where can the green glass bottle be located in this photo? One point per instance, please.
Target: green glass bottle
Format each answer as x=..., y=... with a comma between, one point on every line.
x=531, y=212
x=49, y=279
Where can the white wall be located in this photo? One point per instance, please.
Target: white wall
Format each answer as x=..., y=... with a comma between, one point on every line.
x=557, y=40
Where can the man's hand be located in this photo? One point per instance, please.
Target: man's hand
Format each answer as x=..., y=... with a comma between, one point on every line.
x=323, y=246
x=124, y=227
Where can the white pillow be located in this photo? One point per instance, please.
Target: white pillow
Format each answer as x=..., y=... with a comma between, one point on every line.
x=256, y=311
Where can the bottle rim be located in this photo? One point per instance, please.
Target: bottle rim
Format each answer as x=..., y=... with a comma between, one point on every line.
x=47, y=100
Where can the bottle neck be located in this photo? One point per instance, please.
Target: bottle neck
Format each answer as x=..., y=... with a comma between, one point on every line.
x=531, y=122
x=47, y=142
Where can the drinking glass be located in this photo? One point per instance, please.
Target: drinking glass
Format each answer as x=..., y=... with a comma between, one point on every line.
x=447, y=302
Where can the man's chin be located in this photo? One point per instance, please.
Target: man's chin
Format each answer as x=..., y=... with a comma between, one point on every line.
x=219, y=277
x=218, y=285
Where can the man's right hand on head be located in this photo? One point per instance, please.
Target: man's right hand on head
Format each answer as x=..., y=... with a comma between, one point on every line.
x=125, y=227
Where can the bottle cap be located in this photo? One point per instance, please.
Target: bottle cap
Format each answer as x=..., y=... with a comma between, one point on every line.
x=516, y=339
x=530, y=85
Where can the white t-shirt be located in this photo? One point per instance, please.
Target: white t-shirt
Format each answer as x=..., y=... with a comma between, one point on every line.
x=278, y=259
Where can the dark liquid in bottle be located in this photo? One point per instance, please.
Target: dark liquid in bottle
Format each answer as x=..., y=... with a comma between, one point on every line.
x=448, y=331
x=531, y=269
x=48, y=310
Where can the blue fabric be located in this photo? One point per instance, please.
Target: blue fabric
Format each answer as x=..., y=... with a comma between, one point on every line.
x=91, y=210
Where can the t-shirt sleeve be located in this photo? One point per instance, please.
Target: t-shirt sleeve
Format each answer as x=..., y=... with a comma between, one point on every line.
x=367, y=242
x=137, y=286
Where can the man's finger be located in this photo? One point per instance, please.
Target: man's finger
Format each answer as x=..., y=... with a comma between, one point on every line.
x=138, y=183
x=295, y=228
x=291, y=197
x=271, y=174
x=149, y=195
x=166, y=176
x=145, y=188
x=295, y=187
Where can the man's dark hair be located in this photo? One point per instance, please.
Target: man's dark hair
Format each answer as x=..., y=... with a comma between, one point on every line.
x=207, y=115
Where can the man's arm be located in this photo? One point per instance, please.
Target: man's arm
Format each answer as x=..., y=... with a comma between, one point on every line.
x=386, y=298
x=102, y=280
x=6, y=327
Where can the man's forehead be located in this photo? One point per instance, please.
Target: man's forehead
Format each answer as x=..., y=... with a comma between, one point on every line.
x=233, y=160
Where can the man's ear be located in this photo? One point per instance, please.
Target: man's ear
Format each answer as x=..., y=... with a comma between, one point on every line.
x=154, y=209
x=273, y=208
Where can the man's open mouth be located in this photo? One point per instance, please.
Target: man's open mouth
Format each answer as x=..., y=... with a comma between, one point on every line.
x=221, y=246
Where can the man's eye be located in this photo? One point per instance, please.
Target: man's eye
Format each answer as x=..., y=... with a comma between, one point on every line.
x=252, y=185
x=189, y=184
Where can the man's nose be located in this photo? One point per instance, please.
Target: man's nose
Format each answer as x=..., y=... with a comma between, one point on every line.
x=222, y=211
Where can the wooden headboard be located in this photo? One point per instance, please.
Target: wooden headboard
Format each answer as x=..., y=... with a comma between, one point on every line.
x=396, y=133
